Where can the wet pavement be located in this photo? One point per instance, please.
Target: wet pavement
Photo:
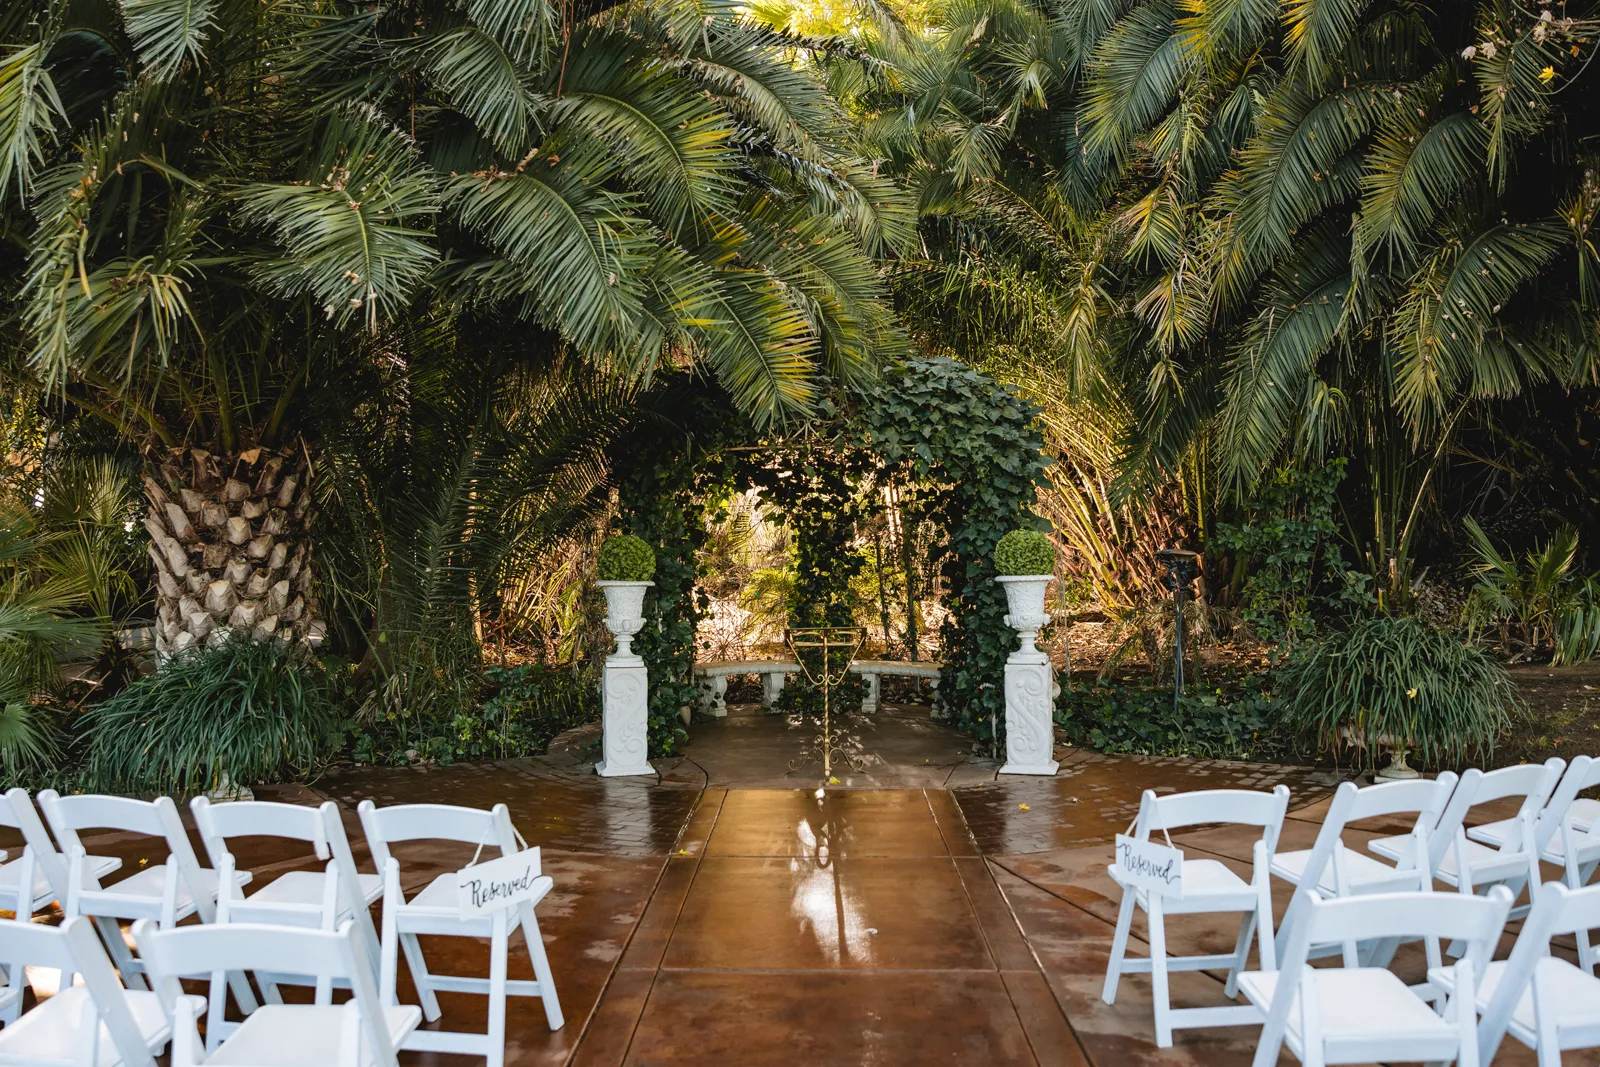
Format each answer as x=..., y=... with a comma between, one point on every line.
x=925, y=910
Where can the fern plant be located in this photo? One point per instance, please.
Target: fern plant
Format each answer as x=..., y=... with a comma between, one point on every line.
x=1538, y=604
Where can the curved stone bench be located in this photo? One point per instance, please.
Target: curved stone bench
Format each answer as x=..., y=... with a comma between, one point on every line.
x=713, y=678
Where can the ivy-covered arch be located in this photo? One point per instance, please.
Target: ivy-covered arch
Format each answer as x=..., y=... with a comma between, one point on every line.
x=969, y=443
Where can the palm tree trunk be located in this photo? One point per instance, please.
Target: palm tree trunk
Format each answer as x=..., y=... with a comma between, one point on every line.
x=230, y=539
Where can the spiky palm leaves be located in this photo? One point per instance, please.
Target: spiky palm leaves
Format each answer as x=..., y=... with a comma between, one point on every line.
x=1283, y=205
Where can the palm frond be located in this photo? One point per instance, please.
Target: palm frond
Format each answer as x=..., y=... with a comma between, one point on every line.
x=165, y=33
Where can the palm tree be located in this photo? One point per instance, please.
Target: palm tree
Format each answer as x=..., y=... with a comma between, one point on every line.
x=219, y=199
x=1267, y=233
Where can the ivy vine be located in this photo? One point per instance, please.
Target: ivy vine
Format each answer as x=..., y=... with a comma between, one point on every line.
x=976, y=444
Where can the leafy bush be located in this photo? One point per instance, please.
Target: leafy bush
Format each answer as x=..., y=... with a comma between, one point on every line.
x=1396, y=677
x=527, y=706
x=1286, y=551
x=1541, y=603
x=1219, y=724
x=1024, y=552
x=626, y=558
x=255, y=711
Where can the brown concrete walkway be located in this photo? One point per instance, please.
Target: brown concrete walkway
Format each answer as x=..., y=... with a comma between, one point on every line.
x=925, y=911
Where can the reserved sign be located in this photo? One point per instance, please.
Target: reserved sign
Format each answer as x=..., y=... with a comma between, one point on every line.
x=489, y=887
x=1147, y=865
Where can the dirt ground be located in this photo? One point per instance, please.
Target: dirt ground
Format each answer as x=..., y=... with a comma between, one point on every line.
x=1563, y=713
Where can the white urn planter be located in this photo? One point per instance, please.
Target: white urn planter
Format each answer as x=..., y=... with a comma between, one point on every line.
x=625, y=686
x=1030, y=680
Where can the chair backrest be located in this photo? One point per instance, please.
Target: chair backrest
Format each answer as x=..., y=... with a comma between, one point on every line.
x=259, y=818
x=1424, y=798
x=19, y=813
x=1582, y=773
x=1556, y=910
x=153, y=818
x=73, y=948
x=1532, y=782
x=1235, y=807
x=435, y=822
x=170, y=954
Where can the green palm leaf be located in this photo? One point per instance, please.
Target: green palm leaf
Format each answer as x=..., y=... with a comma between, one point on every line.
x=1413, y=170
x=347, y=232
x=29, y=106
x=167, y=32
x=1133, y=77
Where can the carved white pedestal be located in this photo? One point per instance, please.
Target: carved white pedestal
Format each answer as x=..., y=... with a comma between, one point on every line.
x=625, y=687
x=1030, y=682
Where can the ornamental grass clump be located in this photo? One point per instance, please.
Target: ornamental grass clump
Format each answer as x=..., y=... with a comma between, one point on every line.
x=1392, y=681
x=255, y=711
x=626, y=558
x=1024, y=552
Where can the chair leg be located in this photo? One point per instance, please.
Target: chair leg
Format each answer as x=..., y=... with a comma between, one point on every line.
x=419, y=976
x=1545, y=1028
x=1119, y=946
x=541, y=969
x=1241, y=954
x=132, y=970
x=495, y=1056
x=1154, y=913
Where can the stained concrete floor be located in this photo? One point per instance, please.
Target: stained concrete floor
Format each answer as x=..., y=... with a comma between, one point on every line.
x=925, y=910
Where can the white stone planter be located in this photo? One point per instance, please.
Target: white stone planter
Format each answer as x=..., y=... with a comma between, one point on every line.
x=1030, y=680
x=625, y=686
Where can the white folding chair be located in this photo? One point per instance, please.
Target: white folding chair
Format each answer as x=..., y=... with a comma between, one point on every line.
x=96, y=1024
x=166, y=892
x=362, y=1032
x=1514, y=861
x=315, y=899
x=1331, y=869
x=43, y=869
x=434, y=911
x=1582, y=773
x=1208, y=886
x=1355, y=1014
x=1543, y=1001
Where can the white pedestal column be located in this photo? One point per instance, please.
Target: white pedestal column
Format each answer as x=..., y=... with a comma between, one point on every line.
x=1030, y=682
x=625, y=687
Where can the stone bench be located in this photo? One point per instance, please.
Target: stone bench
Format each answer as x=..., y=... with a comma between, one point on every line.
x=713, y=678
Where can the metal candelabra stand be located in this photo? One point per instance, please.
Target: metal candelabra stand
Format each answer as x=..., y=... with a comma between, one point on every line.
x=826, y=642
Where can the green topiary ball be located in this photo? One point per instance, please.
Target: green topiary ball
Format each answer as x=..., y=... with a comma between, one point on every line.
x=1024, y=552
x=626, y=558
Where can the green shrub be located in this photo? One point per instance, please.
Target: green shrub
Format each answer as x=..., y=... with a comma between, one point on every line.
x=1240, y=723
x=1397, y=677
x=1024, y=552
x=255, y=711
x=626, y=558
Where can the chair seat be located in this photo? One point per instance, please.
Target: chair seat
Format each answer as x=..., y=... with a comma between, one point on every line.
x=1353, y=1003
x=306, y=887
x=1584, y=815
x=1574, y=992
x=152, y=882
x=1479, y=855
x=50, y=1030
x=440, y=895
x=1358, y=866
x=43, y=893
x=300, y=1035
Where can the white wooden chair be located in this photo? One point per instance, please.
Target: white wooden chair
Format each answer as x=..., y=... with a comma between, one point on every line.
x=1331, y=869
x=434, y=911
x=362, y=1032
x=165, y=892
x=1513, y=862
x=41, y=867
x=1543, y=1001
x=1356, y=1014
x=314, y=899
x=96, y=1024
x=1582, y=773
x=1208, y=886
